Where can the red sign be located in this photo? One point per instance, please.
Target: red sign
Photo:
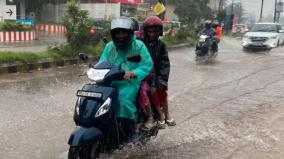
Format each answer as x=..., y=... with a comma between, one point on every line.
x=114, y=1
x=134, y=2
x=127, y=1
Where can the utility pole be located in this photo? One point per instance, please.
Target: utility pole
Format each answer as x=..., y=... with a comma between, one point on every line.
x=260, y=17
x=232, y=15
x=275, y=11
x=220, y=4
x=106, y=5
x=232, y=7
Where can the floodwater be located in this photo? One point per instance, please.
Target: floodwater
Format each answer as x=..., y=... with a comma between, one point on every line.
x=231, y=108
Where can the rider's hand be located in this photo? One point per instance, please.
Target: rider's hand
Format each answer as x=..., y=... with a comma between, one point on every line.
x=129, y=75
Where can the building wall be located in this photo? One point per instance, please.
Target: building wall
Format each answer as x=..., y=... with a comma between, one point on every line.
x=55, y=12
x=2, y=3
x=102, y=10
x=214, y=4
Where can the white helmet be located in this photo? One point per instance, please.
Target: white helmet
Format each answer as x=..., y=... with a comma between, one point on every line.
x=122, y=24
x=208, y=22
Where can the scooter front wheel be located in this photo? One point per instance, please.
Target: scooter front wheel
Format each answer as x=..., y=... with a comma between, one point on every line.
x=86, y=152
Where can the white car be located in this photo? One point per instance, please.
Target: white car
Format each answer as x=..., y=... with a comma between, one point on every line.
x=263, y=35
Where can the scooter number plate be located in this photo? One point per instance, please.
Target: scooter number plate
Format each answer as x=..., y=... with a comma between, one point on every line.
x=89, y=94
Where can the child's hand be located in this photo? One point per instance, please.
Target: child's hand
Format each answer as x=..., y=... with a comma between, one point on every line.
x=129, y=75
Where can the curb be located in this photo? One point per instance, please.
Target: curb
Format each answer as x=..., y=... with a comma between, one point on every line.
x=41, y=65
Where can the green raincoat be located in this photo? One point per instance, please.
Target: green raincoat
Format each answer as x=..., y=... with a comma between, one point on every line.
x=128, y=89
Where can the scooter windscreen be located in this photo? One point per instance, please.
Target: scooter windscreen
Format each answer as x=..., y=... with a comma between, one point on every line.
x=104, y=72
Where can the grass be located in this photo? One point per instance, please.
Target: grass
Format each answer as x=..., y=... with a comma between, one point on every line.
x=22, y=57
x=56, y=53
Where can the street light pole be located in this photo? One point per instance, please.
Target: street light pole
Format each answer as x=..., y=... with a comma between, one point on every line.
x=275, y=11
x=106, y=3
x=260, y=18
x=232, y=8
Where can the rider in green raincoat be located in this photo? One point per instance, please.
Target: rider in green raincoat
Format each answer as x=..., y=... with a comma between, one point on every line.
x=123, y=44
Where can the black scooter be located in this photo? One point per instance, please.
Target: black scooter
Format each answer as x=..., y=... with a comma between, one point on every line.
x=205, y=50
x=97, y=128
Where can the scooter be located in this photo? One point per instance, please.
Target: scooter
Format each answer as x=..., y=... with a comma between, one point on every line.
x=97, y=128
x=204, y=49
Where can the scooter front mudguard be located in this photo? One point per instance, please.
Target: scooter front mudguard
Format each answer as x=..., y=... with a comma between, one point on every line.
x=82, y=136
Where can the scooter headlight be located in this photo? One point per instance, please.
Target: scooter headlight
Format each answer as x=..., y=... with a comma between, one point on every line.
x=104, y=108
x=97, y=74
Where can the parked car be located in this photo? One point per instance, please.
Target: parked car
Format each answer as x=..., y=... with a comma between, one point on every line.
x=97, y=31
x=263, y=35
x=240, y=28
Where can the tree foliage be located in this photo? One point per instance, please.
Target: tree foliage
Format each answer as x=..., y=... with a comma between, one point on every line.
x=191, y=11
x=220, y=15
x=77, y=24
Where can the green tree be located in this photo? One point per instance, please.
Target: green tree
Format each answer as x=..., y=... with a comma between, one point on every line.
x=191, y=11
x=77, y=24
x=220, y=15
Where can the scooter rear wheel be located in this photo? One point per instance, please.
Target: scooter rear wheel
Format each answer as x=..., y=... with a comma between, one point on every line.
x=88, y=152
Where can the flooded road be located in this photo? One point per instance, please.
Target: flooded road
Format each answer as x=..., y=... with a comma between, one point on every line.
x=230, y=109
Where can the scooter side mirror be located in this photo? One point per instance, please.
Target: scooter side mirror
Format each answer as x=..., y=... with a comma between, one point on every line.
x=83, y=56
x=134, y=58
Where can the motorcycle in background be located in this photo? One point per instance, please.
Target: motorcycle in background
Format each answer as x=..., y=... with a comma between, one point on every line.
x=206, y=49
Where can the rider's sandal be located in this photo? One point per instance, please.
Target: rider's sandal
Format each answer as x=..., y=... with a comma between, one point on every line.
x=171, y=122
x=147, y=126
x=161, y=124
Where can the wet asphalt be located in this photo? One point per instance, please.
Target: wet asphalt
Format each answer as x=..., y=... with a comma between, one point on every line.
x=231, y=108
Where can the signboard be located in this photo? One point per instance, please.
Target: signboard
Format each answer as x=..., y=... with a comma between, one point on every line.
x=10, y=12
x=101, y=10
x=117, y=1
x=159, y=8
x=26, y=21
x=10, y=2
x=126, y=1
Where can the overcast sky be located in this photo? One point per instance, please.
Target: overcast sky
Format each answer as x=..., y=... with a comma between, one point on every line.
x=254, y=6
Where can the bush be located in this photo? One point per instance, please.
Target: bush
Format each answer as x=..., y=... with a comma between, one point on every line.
x=13, y=26
x=59, y=51
x=77, y=24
